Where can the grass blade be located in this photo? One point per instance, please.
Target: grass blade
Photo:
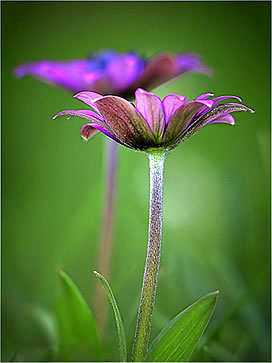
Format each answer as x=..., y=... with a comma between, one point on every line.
x=117, y=316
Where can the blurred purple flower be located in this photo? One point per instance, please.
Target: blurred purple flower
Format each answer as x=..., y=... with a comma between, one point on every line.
x=152, y=123
x=109, y=72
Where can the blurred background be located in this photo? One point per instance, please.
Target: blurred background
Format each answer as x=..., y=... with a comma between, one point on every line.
x=216, y=233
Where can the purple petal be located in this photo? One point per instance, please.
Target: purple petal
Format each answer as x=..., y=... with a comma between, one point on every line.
x=124, y=121
x=158, y=70
x=89, y=130
x=220, y=110
x=215, y=113
x=73, y=75
x=227, y=119
x=188, y=62
x=124, y=70
x=181, y=118
x=89, y=98
x=207, y=104
x=170, y=104
x=150, y=107
x=222, y=98
x=204, y=96
x=23, y=70
x=88, y=114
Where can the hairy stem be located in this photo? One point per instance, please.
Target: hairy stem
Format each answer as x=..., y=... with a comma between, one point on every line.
x=143, y=327
x=105, y=246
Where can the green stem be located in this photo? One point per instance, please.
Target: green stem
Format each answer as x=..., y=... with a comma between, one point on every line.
x=106, y=242
x=143, y=327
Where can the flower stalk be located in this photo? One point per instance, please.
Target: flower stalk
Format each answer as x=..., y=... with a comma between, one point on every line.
x=143, y=327
x=105, y=246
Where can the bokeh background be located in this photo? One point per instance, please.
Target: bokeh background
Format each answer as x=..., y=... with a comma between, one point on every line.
x=217, y=185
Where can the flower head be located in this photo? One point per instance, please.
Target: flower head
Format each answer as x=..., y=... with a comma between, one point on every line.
x=109, y=72
x=152, y=122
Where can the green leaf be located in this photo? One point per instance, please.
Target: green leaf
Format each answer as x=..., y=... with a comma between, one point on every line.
x=14, y=357
x=177, y=340
x=117, y=316
x=78, y=337
x=46, y=322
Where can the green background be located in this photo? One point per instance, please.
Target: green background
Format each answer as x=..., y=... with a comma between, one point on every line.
x=216, y=231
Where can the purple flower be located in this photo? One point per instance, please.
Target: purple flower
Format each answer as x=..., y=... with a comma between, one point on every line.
x=109, y=72
x=152, y=123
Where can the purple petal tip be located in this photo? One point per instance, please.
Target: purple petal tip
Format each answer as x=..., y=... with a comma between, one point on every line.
x=141, y=90
x=249, y=109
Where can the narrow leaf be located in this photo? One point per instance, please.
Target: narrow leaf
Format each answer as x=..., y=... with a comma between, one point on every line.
x=14, y=357
x=117, y=316
x=46, y=323
x=78, y=337
x=177, y=340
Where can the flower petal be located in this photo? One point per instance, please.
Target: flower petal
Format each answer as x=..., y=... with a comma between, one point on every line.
x=73, y=75
x=221, y=110
x=227, y=119
x=188, y=62
x=150, y=107
x=88, y=114
x=204, y=96
x=124, y=70
x=207, y=104
x=170, y=104
x=100, y=60
x=180, y=120
x=89, y=130
x=89, y=98
x=157, y=71
x=125, y=122
x=215, y=113
x=222, y=98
